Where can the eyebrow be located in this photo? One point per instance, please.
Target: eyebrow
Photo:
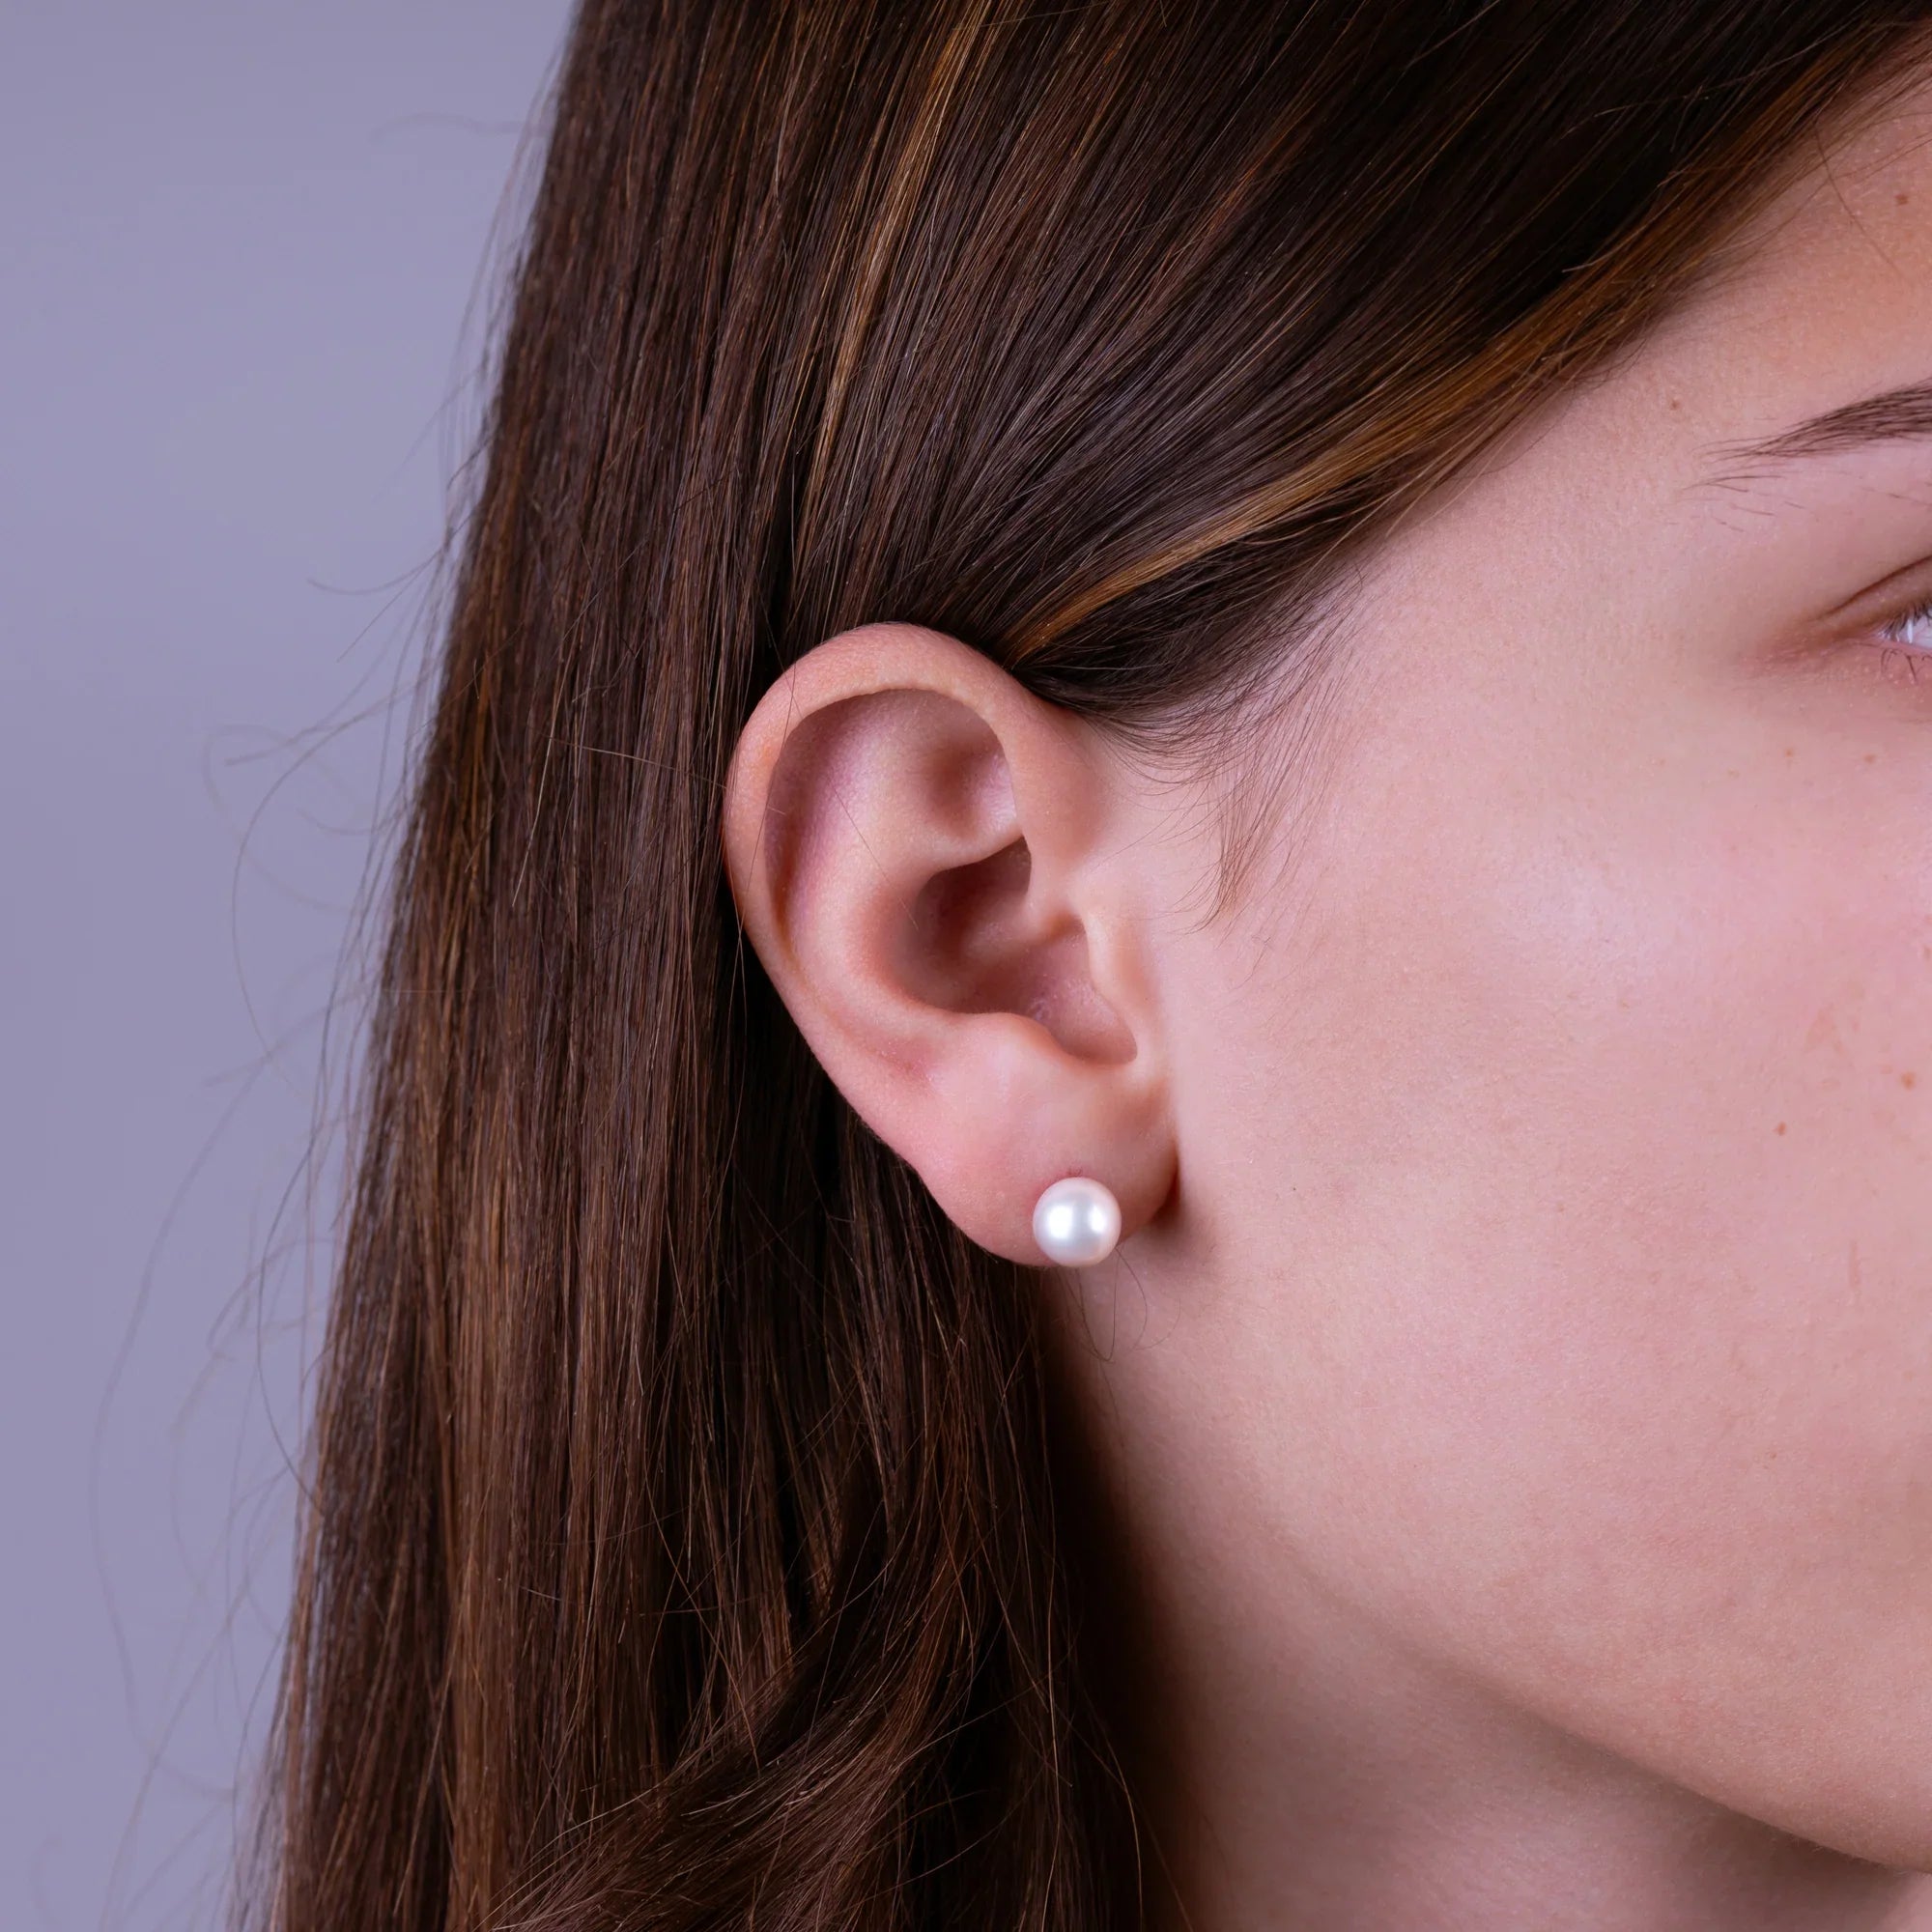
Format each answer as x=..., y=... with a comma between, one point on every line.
x=1893, y=416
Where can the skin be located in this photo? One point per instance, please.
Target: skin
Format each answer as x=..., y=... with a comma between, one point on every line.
x=1509, y=1406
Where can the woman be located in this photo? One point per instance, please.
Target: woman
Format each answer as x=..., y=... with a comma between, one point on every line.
x=1306, y=618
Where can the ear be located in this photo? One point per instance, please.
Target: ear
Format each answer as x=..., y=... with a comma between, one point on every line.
x=930, y=860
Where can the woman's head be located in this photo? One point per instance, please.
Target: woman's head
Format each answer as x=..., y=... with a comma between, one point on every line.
x=1175, y=594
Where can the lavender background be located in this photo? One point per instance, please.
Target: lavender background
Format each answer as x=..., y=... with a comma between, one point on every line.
x=238, y=244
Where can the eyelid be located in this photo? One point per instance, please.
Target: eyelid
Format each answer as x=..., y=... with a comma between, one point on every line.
x=1825, y=642
x=1891, y=597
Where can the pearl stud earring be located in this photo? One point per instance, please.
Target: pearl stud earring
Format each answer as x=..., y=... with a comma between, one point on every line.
x=1077, y=1221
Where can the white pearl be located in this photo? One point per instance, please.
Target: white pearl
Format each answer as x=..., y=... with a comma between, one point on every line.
x=1076, y=1221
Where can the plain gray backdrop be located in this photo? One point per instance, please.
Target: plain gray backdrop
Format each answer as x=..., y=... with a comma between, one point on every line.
x=238, y=247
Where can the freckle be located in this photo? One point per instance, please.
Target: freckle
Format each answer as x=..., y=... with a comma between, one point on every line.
x=1871, y=757
x=1675, y=404
x=1780, y=1126
x=1900, y=198
x=1791, y=751
x=1907, y=1080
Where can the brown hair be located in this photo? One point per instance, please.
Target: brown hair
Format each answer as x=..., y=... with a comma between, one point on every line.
x=680, y=1548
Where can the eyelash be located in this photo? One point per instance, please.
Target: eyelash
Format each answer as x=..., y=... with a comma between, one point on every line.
x=1912, y=655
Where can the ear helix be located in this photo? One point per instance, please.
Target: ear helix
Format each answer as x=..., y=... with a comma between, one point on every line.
x=1077, y=1221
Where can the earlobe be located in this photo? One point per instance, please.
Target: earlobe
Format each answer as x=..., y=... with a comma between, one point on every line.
x=920, y=853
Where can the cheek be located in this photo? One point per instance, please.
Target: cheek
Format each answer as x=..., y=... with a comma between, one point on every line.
x=1606, y=1330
